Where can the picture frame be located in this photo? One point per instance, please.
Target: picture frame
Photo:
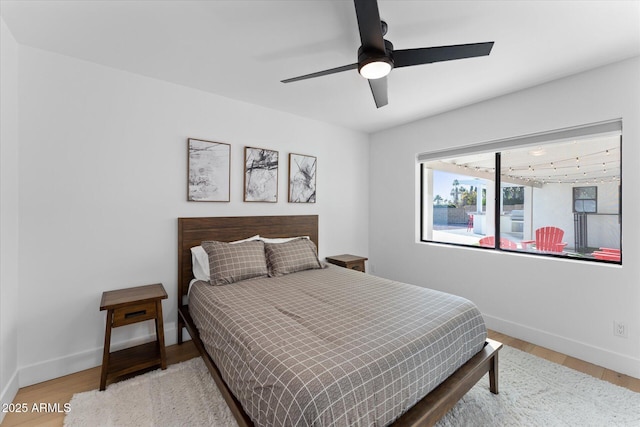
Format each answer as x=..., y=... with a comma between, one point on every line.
x=260, y=175
x=302, y=178
x=209, y=171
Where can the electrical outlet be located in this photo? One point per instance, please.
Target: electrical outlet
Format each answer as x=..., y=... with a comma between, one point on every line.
x=620, y=329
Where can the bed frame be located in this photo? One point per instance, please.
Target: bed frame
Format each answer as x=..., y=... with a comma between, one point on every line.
x=192, y=231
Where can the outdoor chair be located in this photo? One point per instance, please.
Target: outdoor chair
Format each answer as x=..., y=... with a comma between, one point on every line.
x=607, y=254
x=548, y=239
x=490, y=242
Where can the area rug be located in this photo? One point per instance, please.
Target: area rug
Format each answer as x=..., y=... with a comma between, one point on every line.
x=533, y=392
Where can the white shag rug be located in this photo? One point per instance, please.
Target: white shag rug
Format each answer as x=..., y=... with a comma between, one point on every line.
x=533, y=392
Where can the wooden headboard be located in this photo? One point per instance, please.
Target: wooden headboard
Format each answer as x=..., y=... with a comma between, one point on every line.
x=192, y=231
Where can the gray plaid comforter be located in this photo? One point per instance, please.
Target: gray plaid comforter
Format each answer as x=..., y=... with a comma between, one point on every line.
x=333, y=347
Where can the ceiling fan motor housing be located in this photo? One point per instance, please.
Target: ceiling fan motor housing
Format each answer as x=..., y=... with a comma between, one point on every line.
x=367, y=56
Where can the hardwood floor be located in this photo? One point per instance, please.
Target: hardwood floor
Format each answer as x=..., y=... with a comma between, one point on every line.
x=571, y=362
x=60, y=390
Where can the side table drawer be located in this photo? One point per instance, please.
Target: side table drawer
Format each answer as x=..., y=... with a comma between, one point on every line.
x=134, y=313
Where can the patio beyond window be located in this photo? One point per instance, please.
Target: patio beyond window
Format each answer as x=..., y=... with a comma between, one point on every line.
x=560, y=197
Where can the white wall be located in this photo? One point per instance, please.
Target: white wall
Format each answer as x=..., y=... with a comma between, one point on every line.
x=8, y=216
x=602, y=230
x=103, y=157
x=567, y=306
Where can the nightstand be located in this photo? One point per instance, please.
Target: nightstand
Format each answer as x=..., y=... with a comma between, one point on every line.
x=352, y=262
x=125, y=307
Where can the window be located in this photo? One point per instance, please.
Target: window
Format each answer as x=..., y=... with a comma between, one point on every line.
x=458, y=199
x=585, y=199
x=541, y=194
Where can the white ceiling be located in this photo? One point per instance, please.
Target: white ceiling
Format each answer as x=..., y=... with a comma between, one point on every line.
x=242, y=49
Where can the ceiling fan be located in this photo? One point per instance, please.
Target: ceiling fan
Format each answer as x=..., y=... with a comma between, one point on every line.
x=376, y=56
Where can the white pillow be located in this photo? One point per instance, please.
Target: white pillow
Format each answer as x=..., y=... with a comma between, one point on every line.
x=200, y=263
x=200, y=260
x=281, y=240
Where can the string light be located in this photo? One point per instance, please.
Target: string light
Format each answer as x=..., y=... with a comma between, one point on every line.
x=581, y=171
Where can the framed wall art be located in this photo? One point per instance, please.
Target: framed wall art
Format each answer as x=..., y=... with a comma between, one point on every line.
x=209, y=171
x=260, y=175
x=302, y=178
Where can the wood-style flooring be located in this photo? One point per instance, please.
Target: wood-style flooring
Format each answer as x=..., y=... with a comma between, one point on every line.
x=60, y=390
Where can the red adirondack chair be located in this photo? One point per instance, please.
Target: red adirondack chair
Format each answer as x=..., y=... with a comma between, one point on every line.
x=608, y=254
x=490, y=242
x=548, y=239
x=470, y=223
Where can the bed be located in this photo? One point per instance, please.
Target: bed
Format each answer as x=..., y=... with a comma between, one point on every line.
x=336, y=399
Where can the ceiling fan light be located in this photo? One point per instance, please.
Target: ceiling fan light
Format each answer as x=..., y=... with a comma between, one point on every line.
x=375, y=69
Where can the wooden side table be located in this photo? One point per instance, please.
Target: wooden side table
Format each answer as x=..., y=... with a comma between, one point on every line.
x=125, y=307
x=352, y=262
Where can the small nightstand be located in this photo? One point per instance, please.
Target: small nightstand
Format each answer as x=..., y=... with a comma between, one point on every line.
x=352, y=262
x=125, y=307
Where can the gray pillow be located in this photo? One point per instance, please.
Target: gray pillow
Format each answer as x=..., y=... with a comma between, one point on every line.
x=230, y=263
x=289, y=257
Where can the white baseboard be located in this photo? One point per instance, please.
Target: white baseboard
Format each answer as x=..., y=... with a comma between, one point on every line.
x=9, y=393
x=55, y=368
x=599, y=356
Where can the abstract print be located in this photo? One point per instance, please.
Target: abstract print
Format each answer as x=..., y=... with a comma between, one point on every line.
x=209, y=170
x=260, y=175
x=302, y=178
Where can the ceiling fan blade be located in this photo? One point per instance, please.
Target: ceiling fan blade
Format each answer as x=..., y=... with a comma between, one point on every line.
x=426, y=55
x=322, y=73
x=379, y=91
x=369, y=24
